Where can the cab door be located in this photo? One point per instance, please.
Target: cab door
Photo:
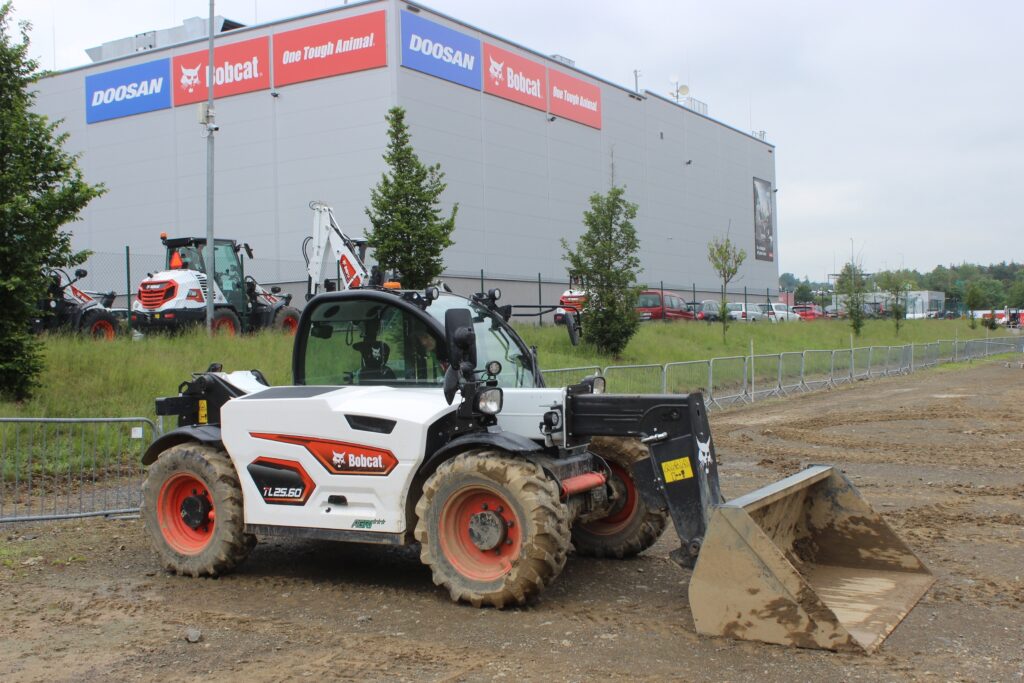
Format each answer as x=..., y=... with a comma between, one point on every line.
x=229, y=277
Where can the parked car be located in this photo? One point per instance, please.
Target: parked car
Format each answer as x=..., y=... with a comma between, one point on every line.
x=809, y=311
x=745, y=312
x=778, y=312
x=834, y=312
x=649, y=306
x=706, y=310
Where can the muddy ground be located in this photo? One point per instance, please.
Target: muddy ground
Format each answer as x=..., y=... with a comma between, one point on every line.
x=940, y=454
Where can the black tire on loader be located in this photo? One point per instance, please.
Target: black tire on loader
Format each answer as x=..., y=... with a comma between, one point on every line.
x=286, y=320
x=192, y=511
x=631, y=527
x=100, y=323
x=492, y=529
x=226, y=322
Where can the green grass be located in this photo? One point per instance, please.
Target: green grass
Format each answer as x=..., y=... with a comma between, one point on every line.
x=84, y=378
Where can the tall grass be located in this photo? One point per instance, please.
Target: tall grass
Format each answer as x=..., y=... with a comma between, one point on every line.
x=85, y=378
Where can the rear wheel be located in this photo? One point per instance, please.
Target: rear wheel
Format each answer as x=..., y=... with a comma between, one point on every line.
x=192, y=510
x=100, y=324
x=631, y=527
x=492, y=529
x=226, y=322
x=286, y=320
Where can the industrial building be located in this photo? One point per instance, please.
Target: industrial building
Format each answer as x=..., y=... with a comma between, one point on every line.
x=523, y=138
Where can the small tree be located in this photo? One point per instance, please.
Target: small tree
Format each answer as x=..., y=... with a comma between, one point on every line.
x=606, y=260
x=852, y=286
x=726, y=258
x=803, y=293
x=41, y=189
x=409, y=233
x=894, y=284
x=974, y=299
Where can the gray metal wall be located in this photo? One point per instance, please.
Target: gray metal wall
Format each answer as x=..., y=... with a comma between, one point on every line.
x=521, y=181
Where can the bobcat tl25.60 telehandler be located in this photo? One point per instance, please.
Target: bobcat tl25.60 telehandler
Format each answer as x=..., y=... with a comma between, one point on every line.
x=370, y=445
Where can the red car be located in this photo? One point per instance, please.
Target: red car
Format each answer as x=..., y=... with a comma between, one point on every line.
x=649, y=306
x=809, y=311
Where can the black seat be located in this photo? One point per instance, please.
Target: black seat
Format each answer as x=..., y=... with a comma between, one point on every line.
x=374, y=361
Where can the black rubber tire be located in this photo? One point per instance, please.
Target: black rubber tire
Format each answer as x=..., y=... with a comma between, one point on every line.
x=544, y=526
x=100, y=323
x=229, y=544
x=286, y=320
x=640, y=530
x=573, y=325
x=226, y=322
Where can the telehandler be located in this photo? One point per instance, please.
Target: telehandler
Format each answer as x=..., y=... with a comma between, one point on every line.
x=422, y=417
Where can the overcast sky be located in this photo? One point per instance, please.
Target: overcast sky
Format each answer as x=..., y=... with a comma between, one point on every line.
x=897, y=124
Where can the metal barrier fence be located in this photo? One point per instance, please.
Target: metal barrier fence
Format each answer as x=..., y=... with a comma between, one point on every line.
x=742, y=379
x=58, y=468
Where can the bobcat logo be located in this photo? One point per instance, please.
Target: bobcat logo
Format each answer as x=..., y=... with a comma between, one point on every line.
x=704, y=455
x=495, y=71
x=190, y=78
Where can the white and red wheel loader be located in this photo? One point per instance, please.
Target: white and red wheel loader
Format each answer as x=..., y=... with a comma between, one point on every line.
x=175, y=297
x=422, y=418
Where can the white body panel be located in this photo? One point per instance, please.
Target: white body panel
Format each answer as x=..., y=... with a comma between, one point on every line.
x=522, y=410
x=186, y=280
x=380, y=499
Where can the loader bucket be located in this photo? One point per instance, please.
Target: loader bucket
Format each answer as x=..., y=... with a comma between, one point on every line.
x=804, y=562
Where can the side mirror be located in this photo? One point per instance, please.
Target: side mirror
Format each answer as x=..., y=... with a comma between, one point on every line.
x=573, y=326
x=248, y=250
x=80, y=273
x=460, y=343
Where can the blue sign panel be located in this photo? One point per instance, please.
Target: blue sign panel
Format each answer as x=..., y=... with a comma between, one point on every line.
x=440, y=51
x=131, y=90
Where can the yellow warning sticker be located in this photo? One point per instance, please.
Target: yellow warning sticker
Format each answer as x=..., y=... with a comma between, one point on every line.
x=203, y=417
x=677, y=470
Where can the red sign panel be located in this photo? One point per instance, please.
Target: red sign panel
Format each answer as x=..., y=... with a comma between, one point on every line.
x=341, y=457
x=237, y=68
x=574, y=99
x=337, y=47
x=514, y=78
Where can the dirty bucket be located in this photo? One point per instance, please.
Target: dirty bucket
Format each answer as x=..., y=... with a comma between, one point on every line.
x=804, y=562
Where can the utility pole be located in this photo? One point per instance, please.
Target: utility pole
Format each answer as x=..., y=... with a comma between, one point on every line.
x=211, y=127
x=636, y=81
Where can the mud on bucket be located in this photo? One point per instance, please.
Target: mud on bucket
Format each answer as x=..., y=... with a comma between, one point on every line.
x=805, y=562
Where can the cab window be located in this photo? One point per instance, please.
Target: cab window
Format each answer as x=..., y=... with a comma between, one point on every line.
x=370, y=342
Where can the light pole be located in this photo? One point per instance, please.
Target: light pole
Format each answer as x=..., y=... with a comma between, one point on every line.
x=210, y=127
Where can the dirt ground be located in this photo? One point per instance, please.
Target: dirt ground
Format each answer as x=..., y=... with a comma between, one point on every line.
x=940, y=454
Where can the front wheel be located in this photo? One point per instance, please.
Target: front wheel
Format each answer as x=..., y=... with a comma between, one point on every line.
x=226, y=322
x=100, y=323
x=631, y=527
x=492, y=529
x=192, y=511
x=286, y=320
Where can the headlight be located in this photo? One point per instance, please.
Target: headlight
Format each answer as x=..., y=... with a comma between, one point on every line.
x=488, y=401
x=493, y=368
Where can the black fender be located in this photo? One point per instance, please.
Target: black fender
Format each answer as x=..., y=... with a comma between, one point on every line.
x=506, y=441
x=205, y=434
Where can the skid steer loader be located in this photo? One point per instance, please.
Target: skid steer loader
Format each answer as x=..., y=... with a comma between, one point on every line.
x=370, y=445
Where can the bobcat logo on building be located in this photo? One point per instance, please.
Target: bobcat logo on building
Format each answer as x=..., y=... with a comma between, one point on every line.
x=190, y=78
x=496, y=71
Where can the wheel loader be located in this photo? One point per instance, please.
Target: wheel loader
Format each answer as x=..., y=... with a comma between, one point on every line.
x=422, y=418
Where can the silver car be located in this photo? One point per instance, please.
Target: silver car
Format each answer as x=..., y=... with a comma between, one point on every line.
x=778, y=313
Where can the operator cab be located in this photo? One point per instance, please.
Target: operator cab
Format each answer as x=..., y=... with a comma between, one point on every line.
x=381, y=337
x=186, y=253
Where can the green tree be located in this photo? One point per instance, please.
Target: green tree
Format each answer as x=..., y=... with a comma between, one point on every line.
x=408, y=231
x=606, y=261
x=895, y=284
x=1015, y=297
x=803, y=294
x=788, y=282
x=726, y=258
x=41, y=190
x=852, y=286
x=974, y=300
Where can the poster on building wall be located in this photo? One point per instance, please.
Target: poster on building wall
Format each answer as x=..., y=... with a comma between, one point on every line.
x=515, y=78
x=238, y=68
x=764, y=221
x=127, y=91
x=330, y=49
x=440, y=51
x=574, y=99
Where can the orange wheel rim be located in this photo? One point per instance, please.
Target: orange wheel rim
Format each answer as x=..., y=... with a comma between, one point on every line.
x=186, y=514
x=476, y=555
x=102, y=329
